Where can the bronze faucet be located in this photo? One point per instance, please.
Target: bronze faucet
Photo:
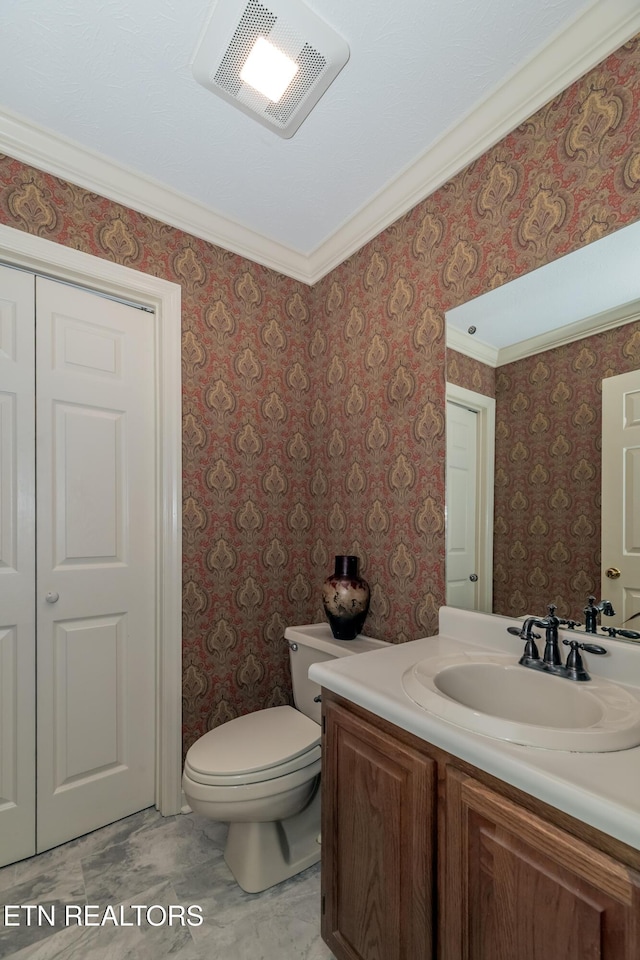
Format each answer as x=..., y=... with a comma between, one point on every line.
x=591, y=612
x=551, y=661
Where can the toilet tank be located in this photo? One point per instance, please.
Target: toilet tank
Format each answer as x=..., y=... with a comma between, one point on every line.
x=314, y=643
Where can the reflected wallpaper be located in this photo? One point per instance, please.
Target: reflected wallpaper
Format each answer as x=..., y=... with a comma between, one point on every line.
x=314, y=418
x=547, y=489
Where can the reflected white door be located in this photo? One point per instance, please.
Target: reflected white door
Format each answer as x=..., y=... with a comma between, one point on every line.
x=17, y=567
x=621, y=496
x=462, y=459
x=95, y=561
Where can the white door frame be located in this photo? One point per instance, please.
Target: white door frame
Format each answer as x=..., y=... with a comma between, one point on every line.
x=485, y=407
x=54, y=260
x=620, y=487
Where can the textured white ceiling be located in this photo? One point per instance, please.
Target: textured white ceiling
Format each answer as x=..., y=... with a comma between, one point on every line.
x=591, y=282
x=114, y=77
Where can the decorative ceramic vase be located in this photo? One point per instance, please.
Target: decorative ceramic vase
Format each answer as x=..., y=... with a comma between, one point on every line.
x=346, y=597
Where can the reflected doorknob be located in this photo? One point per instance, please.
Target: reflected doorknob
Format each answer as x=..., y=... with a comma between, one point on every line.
x=612, y=572
x=473, y=577
x=52, y=597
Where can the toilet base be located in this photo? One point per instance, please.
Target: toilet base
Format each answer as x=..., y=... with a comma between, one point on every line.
x=260, y=855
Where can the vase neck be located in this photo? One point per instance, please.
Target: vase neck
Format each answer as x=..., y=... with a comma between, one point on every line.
x=346, y=566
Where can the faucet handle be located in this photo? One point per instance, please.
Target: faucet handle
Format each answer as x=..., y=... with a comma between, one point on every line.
x=593, y=648
x=574, y=666
x=587, y=647
x=517, y=632
x=570, y=624
x=618, y=632
x=529, y=637
x=531, y=652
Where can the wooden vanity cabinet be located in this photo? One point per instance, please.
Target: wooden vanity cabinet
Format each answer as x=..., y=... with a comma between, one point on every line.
x=519, y=888
x=424, y=856
x=378, y=842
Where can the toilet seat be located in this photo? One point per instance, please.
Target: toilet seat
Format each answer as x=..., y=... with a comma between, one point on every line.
x=254, y=748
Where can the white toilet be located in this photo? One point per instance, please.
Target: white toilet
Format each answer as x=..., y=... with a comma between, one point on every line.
x=261, y=772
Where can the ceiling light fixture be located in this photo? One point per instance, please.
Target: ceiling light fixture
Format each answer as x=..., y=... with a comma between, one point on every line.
x=268, y=70
x=290, y=35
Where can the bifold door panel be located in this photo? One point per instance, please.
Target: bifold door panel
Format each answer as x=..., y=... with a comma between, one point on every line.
x=92, y=360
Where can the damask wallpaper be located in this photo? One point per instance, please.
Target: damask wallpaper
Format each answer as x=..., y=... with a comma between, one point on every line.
x=314, y=418
x=471, y=374
x=566, y=177
x=548, y=468
x=547, y=490
x=248, y=450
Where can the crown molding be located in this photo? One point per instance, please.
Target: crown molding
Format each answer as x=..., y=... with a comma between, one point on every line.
x=57, y=155
x=476, y=349
x=575, y=50
x=497, y=357
x=601, y=30
x=616, y=317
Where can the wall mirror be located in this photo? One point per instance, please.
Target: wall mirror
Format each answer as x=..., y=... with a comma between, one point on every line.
x=549, y=340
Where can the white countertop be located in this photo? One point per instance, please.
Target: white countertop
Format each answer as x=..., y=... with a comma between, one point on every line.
x=601, y=789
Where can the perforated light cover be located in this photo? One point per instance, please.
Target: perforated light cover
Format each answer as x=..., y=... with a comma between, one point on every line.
x=228, y=37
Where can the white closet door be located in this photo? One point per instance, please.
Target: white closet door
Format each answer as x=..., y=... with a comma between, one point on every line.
x=17, y=567
x=96, y=568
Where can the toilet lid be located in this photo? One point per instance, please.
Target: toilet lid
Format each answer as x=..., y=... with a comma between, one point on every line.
x=252, y=746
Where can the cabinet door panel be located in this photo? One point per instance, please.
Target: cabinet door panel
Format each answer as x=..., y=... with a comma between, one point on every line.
x=517, y=887
x=377, y=843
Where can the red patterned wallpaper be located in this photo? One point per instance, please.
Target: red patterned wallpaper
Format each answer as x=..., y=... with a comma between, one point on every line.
x=566, y=177
x=547, y=491
x=247, y=446
x=314, y=418
x=472, y=374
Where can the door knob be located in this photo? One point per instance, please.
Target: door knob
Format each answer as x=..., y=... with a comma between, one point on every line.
x=612, y=572
x=52, y=597
x=473, y=577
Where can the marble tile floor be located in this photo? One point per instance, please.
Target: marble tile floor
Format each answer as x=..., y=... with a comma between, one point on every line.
x=150, y=861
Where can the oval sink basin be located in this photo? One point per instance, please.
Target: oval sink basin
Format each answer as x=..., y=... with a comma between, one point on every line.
x=493, y=695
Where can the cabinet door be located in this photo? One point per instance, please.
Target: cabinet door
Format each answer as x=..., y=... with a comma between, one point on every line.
x=378, y=841
x=517, y=888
